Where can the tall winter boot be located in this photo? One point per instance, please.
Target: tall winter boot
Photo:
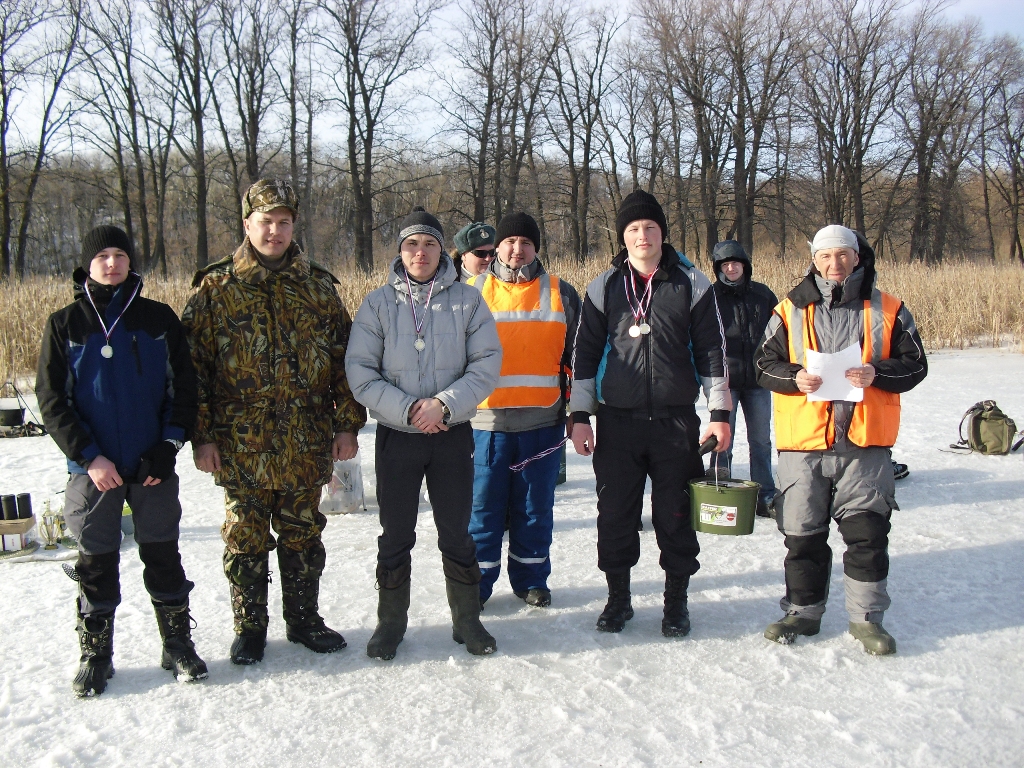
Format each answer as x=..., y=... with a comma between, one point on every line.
x=96, y=639
x=300, y=596
x=462, y=584
x=179, y=653
x=785, y=630
x=248, y=576
x=676, y=622
x=392, y=612
x=619, y=608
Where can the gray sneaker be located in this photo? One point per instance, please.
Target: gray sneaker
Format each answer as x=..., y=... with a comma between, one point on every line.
x=873, y=637
x=785, y=630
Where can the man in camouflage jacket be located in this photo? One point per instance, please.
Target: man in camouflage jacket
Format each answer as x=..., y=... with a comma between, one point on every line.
x=268, y=334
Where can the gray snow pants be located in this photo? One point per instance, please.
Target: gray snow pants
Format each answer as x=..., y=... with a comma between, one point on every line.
x=854, y=486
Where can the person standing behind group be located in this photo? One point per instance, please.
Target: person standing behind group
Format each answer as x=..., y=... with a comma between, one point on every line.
x=268, y=335
x=117, y=393
x=649, y=337
x=423, y=353
x=745, y=307
x=536, y=314
x=474, y=250
x=834, y=457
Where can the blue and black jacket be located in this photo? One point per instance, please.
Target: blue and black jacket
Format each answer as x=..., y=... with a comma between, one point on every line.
x=120, y=406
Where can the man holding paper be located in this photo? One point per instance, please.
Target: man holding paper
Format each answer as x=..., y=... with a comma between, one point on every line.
x=837, y=353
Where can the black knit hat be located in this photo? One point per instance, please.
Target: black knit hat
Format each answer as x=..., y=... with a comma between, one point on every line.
x=419, y=222
x=518, y=224
x=104, y=236
x=639, y=205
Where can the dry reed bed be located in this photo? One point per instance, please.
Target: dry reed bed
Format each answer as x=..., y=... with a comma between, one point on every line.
x=956, y=304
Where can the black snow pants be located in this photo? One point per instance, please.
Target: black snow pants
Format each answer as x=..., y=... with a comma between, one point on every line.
x=630, y=448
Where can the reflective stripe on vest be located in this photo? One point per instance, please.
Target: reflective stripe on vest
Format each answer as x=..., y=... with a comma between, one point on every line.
x=801, y=425
x=531, y=326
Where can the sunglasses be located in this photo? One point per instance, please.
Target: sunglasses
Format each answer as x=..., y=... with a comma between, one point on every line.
x=484, y=254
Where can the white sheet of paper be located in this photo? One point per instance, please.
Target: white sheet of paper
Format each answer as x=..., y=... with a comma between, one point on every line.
x=832, y=368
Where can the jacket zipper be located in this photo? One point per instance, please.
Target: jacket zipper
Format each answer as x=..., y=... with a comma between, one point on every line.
x=650, y=377
x=135, y=352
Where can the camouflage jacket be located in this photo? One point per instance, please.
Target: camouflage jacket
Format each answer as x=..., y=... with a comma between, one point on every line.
x=269, y=352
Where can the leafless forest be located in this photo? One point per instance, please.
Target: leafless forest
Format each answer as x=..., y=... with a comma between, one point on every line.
x=753, y=119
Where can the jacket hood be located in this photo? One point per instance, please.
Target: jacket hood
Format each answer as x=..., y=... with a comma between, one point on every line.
x=730, y=250
x=445, y=277
x=525, y=274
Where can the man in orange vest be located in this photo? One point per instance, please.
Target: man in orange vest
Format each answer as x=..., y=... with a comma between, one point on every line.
x=834, y=457
x=520, y=427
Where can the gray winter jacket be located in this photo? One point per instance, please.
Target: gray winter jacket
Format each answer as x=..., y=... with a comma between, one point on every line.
x=459, y=365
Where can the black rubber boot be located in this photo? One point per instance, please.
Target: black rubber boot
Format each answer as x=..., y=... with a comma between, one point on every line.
x=785, y=630
x=537, y=596
x=300, y=596
x=179, y=653
x=676, y=622
x=392, y=612
x=619, y=608
x=248, y=576
x=462, y=584
x=96, y=639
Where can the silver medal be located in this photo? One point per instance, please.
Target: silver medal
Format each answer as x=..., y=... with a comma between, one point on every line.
x=634, y=331
x=420, y=345
x=645, y=328
x=107, y=351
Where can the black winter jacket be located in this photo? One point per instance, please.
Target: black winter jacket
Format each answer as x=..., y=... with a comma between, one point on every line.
x=123, y=405
x=745, y=310
x=657, y=374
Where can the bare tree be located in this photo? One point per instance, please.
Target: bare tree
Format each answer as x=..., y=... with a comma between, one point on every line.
x=184, y=30
x=852, y=72
x=581, y=78
x=20, y=25
x=60, y=57
x=374, y=49
x=248, y=45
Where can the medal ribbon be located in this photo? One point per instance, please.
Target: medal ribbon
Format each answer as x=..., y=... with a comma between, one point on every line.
x=106, y=332
x=547, y=452
x=418, y=323
x=644, y=302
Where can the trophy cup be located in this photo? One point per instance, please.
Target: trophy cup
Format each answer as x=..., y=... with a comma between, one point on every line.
x=50, y=527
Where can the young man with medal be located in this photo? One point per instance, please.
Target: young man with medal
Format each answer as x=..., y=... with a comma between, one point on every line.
x=650, y=336
x=423, y=353
x=520, y=428
x=117, y=393
x=268, y=333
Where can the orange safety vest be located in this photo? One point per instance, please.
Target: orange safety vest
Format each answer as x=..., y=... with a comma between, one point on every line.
x=803, y=425
x=531, y=327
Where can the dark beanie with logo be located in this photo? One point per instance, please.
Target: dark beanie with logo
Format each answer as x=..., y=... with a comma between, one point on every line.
x=419, y=222
x=105, y=236
x=518, y=224
x=639, y=205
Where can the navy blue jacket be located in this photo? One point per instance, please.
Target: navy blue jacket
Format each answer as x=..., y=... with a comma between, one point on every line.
x=123, y=405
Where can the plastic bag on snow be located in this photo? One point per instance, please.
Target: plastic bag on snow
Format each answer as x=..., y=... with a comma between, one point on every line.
x=344, y=493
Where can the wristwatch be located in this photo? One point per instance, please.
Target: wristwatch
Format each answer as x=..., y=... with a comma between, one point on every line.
x=447, y=413
x=176, y=443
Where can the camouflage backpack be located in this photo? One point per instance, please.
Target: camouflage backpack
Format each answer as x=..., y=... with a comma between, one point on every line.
x=989, y=430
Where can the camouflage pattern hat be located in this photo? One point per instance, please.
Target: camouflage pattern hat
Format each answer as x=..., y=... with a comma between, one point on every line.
x=268, y=194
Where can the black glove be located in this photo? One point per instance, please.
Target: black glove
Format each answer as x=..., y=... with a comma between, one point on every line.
x=158, y=462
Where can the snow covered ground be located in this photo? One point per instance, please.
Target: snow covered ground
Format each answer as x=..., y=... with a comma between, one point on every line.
x=558, y=692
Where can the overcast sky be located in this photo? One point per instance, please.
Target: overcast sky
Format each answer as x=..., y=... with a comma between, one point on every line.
x=998, y=16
